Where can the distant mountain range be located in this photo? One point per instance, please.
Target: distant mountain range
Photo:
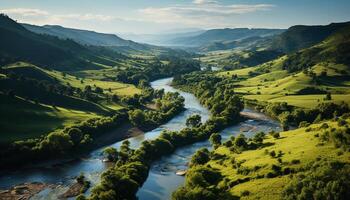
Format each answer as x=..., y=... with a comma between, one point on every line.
x=286, y=41
x=162, y=39
x=223, y=35
x=86, y=37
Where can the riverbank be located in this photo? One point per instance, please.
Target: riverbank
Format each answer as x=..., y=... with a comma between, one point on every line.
x=161, y=180
x=24, y=191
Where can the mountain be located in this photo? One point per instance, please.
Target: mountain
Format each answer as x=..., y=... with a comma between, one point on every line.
x=86, y=37
x=300, y=36
x=247, y=43
x=334, y=49
x=222, y=35
x=163, y=39
x=19, y=44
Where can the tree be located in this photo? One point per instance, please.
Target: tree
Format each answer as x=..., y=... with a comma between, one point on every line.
x=75, y=135
x=215, y=140
x=59, y=141
x=137, y=117
x=328, y=97
x=111, y=154
x=194, y=121
x=200, y=157
x=241, y=142
x=259, y=137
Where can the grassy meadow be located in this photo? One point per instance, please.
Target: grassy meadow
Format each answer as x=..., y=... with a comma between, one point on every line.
x=28, y=119
x=297, y=148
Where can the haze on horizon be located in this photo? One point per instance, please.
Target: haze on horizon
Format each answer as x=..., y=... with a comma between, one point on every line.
x=157, y=16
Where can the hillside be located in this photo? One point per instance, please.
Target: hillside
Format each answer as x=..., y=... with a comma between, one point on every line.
x=296, y=164
x=19, y=44
x=299, y=37
x=86, y=37
x=29, y=94
x=221, y=35
x=254, y=42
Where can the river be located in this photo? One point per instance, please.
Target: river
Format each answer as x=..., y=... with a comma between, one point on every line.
x=162, y=180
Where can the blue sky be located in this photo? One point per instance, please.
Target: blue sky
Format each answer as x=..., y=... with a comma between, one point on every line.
x=153, y=16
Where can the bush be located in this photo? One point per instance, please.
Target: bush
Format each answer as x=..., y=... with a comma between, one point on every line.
x=200, y=157
x=245, y=193
x=322, y=181
x=295, y=161
x=275, y=135
x=272, y=153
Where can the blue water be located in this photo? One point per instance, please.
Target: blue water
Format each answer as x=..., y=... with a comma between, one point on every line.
x=162, y=180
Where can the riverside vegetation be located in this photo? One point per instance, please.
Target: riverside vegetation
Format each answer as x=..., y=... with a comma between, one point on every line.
x=307, y=89
x=59, y=95
x=75, y=109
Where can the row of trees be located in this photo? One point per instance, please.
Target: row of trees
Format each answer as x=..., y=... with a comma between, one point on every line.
x=168, y=105
x=289, y=115
x=215, y=93
x=157, y=69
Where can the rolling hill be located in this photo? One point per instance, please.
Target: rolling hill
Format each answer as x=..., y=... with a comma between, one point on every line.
x=302, y=78
x=85, y=37
x=19, y=44
x=299, y=37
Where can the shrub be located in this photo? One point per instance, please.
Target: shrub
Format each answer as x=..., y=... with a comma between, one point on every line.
x=295, y=161
x=245, y=193
x=322, y=181
x=275, y=135
x=272, y=153
x=200, y=157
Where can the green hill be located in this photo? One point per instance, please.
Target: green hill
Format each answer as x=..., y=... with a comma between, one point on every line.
x=86, y=37
x=299, y=37
x=302, y=78
x=19, y=44
x=334, y=49
x=35, y=101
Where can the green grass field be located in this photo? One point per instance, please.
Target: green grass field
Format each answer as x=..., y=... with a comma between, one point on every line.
x=273, y=84
x=295, y=145
x=22, y=118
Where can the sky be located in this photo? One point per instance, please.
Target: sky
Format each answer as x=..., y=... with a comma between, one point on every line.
x=159, y=16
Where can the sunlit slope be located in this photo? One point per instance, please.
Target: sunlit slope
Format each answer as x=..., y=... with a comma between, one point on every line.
x=30, y=109
x=297, y=149
x=301, y=79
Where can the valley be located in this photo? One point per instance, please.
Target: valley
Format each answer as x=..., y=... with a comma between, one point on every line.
x=223, y=113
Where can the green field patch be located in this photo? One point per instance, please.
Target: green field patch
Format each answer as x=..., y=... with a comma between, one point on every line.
x=21, y=119
x=298, y=148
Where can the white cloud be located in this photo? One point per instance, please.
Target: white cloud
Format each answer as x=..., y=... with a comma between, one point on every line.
x=24, y=12
x=86, y=17
x=201, y=13
x=28, y=12
x=204, y=1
